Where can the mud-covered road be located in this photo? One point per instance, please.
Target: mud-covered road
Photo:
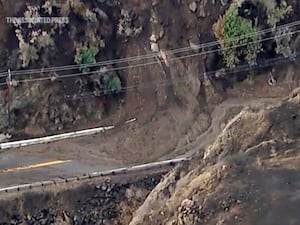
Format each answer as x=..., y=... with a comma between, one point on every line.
x=50, y=161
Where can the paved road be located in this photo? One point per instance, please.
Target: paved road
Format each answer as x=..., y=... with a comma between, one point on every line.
x=17, y=167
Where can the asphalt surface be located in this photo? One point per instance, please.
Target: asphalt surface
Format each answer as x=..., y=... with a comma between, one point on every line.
x=17, y=168
x=80, y=156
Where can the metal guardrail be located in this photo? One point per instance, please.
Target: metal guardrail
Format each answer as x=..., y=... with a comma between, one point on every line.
x=57, y=137
x=124, y=170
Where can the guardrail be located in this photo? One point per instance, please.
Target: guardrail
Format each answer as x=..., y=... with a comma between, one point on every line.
x=124, y=170
x=58, y=137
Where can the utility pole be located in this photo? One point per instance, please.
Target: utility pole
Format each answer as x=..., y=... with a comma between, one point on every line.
x=9, y=92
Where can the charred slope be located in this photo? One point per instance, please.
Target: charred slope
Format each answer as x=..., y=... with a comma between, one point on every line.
x=108, y=202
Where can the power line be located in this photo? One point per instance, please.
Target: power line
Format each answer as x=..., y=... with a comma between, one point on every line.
x=158, y=83
x=151, y=63
x=166, y=82
x=147, y=56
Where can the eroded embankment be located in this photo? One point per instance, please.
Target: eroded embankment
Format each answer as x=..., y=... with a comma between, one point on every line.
x=249, y=175
x=109, y=201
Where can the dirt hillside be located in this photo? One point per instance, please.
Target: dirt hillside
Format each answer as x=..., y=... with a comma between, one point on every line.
x=163, y=112
x=245, y=167
x=249, y=175
x=171, y=101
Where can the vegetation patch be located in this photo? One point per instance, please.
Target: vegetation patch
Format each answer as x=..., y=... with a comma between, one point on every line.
x=85, y=56
x=276, y=12
x=283, y=39
x=238, y=38
x=113, y=84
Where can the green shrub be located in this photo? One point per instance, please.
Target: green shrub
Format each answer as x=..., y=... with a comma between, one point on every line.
x=113, y=84
x=85, y=56
x=232, y=30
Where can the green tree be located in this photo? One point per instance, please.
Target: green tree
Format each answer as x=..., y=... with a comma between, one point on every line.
x=85, y=56
x=238, y=38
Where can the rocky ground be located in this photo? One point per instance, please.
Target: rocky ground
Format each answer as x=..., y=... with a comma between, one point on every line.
x=226, y=183
x=158, y=108
x=105, y=202
x=179, y=112
x=249, y=175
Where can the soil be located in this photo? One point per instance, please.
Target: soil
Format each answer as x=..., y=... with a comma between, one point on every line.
x=224, y=184
x=125, y=147
x=198, y=115
x=178, y=113
x=246, y=176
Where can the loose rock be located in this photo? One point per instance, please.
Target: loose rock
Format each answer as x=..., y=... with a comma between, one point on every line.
x=193, y=7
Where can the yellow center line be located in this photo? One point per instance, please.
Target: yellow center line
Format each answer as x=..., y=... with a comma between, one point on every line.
x=35, y=166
